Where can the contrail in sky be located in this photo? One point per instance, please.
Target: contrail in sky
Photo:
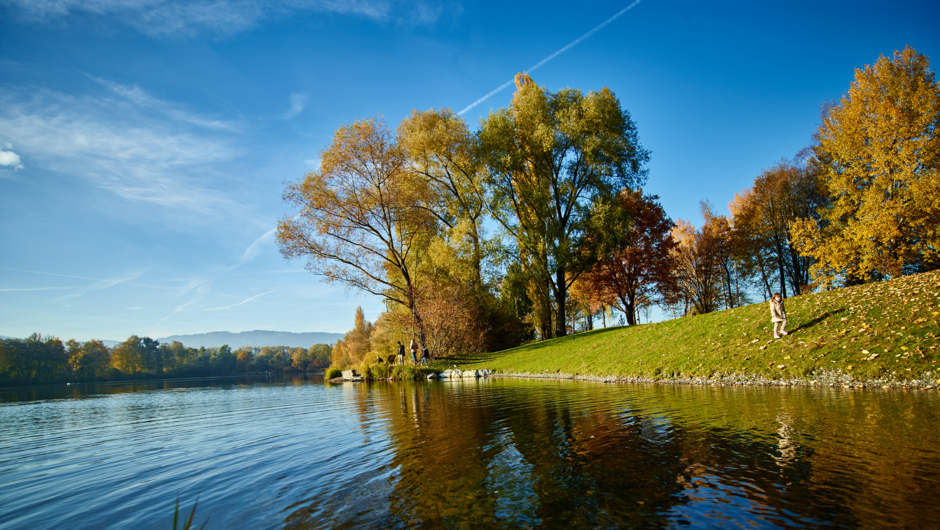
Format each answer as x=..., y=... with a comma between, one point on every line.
x=552, y=56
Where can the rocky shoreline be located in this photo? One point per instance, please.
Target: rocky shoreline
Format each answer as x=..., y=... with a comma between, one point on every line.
x=928, y=381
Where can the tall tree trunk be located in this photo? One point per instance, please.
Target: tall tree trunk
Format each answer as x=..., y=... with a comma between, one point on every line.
x=729, y=299
x=629, y=309
x=477, y=258
x=783, y=272
x=763, y=276
x=561, y=293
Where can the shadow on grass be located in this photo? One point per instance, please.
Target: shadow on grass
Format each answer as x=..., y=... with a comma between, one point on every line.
x=818, y=319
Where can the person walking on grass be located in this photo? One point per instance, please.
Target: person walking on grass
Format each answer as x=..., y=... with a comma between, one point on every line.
x=778, y=314
x=425, y=355
x=401, y=353
x=414, y=352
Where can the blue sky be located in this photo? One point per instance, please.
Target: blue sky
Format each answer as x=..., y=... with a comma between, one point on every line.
x=144, y=144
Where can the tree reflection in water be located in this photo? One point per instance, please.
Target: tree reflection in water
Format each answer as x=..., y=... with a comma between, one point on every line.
x=517, y=453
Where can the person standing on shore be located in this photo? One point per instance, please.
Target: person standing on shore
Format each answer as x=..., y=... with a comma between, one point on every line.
x=414, y=352
x=401, y=353
x=778, y=314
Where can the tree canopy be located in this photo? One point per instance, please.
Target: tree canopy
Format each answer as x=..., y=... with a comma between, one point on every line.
x=551, y=155
x=363, y=217
x=879, y=152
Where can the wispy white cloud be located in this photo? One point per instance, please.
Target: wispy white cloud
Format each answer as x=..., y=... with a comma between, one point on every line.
x=245, y=301
x=26, y=289
x=103, y=284
x=255, y=248
x=198, y=288
x=298, y=101
x=143, y=99
x=81, y=289
x=9, y=158
x=174, y=18
x=117, y=144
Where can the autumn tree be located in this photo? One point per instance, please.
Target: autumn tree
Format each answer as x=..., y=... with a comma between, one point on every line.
x=89, y=360
x=361, y=220
x=440, y=149
x=339, y=355
x=638, y=262
x=243, y=358
x=454, y=321
x=698, y=284
x=319, y=356
x=761, y=219
x=550, y=155
x=587, y=298
x=879, y=153
x=137, y=354
x=176, y=357
x=357, y=339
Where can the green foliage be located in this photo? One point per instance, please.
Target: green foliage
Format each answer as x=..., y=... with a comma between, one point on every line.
x=377, y=371
x=549, y=156
x=409, y=372
x=46, y=360
x=333, y=373
x=34, y=360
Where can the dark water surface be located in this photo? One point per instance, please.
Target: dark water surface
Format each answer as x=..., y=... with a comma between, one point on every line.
x=298, y=453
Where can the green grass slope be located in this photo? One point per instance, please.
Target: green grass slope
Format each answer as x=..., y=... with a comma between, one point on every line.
x=881, y=333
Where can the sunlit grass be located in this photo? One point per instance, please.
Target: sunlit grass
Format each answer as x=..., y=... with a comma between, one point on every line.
x=881, y=331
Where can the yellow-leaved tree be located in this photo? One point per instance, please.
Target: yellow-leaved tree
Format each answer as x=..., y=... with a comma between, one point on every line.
x=879, y=152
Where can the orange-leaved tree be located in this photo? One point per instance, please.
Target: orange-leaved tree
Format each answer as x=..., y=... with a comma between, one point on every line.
x=361, y=222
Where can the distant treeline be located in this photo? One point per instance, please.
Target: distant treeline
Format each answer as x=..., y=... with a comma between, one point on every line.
x=39, y=359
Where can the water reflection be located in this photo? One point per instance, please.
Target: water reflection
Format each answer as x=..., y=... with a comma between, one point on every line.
x=521, y=453
x=297, y=453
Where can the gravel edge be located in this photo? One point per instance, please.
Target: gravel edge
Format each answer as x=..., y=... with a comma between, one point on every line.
x=928, y=381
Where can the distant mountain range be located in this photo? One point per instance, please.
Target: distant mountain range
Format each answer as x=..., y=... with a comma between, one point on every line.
x=258, y=337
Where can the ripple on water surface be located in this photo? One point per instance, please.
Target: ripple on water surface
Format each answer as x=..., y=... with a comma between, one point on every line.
x=298, y=453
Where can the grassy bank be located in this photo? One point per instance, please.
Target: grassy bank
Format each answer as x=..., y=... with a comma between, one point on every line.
x=884, y=333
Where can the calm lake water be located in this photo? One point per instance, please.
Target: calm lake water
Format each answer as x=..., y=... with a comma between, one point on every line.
x=298, y=453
